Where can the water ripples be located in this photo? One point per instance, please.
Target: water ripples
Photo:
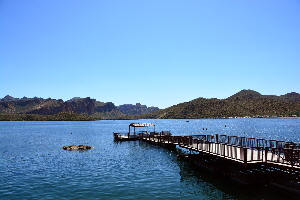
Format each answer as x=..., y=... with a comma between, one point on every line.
x=34, y=165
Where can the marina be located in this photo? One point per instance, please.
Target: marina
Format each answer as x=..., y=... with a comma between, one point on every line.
x=246, y=160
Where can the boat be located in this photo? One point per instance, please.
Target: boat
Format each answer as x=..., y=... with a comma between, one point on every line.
x=137, y=135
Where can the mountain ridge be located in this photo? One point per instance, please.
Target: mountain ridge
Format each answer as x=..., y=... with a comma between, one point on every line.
x=242, y=103
x=292, y=96
x=245, y=103
x=86, y=106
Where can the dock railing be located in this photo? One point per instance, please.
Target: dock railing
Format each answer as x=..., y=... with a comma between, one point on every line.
x=240, y=149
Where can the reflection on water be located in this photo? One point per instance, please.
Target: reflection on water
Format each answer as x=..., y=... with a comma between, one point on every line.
x=33, y=165
x=216, y=186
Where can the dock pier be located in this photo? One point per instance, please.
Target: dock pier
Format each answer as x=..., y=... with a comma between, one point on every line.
x=247, y=151
x=246, y=160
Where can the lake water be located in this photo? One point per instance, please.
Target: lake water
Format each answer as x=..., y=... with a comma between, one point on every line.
x=33, y=164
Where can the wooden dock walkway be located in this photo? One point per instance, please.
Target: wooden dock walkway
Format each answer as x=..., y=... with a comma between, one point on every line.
x=246, y=160
x=239, y=149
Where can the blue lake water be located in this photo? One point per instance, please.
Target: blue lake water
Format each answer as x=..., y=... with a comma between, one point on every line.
x=33, y=164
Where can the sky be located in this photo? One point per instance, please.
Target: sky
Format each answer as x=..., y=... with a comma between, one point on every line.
x=156, y=52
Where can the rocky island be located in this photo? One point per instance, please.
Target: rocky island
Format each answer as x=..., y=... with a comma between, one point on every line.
x=77, y=147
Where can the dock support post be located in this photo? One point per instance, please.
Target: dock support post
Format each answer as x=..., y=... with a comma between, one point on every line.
x=217, y=138
x=266, y=154
x=245, y=155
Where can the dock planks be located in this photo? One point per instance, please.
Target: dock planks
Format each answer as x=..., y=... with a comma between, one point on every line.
x=273, y=151
x=246, y=160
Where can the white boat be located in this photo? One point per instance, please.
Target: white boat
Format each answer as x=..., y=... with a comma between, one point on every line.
x=137, y=135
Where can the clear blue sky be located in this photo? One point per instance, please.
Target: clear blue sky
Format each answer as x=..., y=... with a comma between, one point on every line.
x=156, y=52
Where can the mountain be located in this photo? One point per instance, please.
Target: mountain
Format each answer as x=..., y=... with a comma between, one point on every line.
x=137, y=109
x=86, y=106
x=62, y=116
x=293, y=96
x=241, y=104
x=49, y=106
x=246, y=93
x=10, y=98
x=244, y=103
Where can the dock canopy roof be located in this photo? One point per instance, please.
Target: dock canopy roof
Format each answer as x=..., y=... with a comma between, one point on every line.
x=141, y=124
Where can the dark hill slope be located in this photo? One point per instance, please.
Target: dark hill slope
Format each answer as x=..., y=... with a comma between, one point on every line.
x=86, y=106
x=293, y=96
x=136, y=109
x=210, y=108
x=246, y=93
x=243, y=103
x=49, y=106
x=63, y=116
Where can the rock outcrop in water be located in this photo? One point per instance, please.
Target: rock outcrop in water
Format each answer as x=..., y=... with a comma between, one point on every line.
x=77, y=147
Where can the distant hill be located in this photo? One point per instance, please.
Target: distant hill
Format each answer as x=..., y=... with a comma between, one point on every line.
x=137, y=109
x=244, y=103
x=10, y=98
x=63, y=116
x=246, y=94
x=86, y=106
x=293, y=96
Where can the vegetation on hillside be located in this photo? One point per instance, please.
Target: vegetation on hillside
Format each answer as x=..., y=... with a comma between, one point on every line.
x=63, y=116
x=244, y=103
x=87, y=106
x=233, y=107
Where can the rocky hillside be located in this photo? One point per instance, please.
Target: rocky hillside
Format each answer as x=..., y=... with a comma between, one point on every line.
x=137, y=109
x=49, y=106
x=293, y=96
x=244, y=103
x=86, y=106
x=63, y=116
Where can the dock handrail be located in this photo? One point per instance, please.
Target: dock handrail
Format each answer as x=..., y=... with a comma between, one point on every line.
x=241, y=149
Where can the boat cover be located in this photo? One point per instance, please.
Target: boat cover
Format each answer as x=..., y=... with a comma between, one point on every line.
x=141, y=124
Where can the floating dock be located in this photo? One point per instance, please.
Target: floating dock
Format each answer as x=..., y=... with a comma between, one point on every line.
x=246, y=160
